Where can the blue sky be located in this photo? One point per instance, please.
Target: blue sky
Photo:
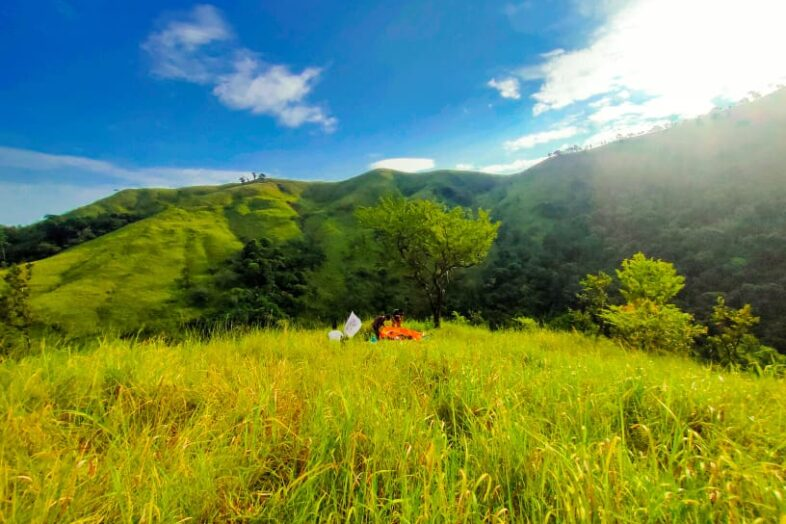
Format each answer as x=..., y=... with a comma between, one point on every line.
x=96, y=96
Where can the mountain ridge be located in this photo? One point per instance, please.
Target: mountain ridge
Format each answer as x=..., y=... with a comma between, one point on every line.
x=707, y=194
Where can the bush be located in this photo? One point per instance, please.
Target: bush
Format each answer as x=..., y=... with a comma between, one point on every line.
x=648, y=326
x=733, y=342
x=648, y=321
x=458, y=318
x=523, y=323
x=16, y=318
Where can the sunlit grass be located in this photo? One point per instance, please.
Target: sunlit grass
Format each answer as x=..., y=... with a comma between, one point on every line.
x=465, y=426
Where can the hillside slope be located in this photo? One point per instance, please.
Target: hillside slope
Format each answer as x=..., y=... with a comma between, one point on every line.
x=708, y=194
x=129, y=279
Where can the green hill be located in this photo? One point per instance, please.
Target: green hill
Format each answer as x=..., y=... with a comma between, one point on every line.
x=708, y=194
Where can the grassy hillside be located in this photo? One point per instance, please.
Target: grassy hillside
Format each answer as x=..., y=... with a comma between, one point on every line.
x=465, y=426
x=707, y=194
x=129, y=279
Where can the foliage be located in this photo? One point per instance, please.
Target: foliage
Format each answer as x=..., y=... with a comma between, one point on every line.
x=56, y=233
x=3, y=245
x=458, y=319
x=16, y=319
x=647, y=321
x=733, y=342
x=263, y=284
x=525, y=324
x=594, y=299
x=643, y=278
x=431, y=241
x=474, y=319
x=468, y=426
x=644, y=324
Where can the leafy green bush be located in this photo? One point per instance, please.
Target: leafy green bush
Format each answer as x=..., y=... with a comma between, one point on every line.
x=475, y=319
x=647, y=321
x=733, y=342
x=458, y=318
x=16, y=319
x=594, y=298
x=525, y=324
x=646, y=325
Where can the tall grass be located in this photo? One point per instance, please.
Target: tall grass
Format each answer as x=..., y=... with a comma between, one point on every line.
x=466, y=426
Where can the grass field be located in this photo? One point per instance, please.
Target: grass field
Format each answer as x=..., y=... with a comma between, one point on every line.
x=465, y=426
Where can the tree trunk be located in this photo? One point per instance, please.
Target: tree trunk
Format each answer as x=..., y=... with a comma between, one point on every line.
x=436, y=309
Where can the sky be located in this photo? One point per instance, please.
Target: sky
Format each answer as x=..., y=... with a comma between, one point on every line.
x=98, y=96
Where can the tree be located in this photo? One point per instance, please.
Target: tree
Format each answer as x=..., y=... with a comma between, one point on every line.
x=3, y=244
x=262, y=284
x=733, y=342
x=648, y=321
x=16, y=319
x=643, y=278
x=733, y=335
x=431, y=241
x=594, y=299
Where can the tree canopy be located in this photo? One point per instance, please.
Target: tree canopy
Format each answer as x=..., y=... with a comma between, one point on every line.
x=431, y=241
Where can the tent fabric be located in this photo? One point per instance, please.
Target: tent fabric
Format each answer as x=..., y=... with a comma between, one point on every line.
x=398, y=333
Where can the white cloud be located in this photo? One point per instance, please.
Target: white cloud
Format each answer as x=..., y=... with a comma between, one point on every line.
x=507, y=87
x=543, y=137
x=199, y=48
x=680, y=55
x=179, y=50
x=25, y=159
x=465, y=167
x=272, y=90
x=513, y=167
x=409, y=165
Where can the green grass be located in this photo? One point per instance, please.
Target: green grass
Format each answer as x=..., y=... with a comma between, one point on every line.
x=127, y=279
x=465, y=426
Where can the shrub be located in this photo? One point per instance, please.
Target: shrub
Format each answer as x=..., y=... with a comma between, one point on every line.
x=648, y=321
x=733, y=342
x=525, y=324
x=16, y=319
x=648, y=326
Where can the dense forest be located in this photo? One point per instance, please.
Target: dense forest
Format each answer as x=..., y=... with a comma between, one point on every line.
x=54, y=234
